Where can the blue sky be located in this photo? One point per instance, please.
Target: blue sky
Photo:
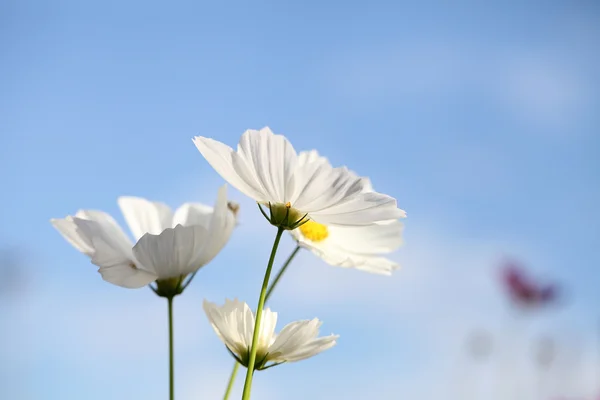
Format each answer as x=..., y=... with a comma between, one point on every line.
x=480, y=119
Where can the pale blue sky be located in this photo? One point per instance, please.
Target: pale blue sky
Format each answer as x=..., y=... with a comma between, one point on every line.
x=480, y=119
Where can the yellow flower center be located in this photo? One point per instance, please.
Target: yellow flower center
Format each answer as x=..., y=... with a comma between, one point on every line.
x=314, y=231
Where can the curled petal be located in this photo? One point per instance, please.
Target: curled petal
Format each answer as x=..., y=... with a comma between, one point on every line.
x=174, y=252
x=144, y=216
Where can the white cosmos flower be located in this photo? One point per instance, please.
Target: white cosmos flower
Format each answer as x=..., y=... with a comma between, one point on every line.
x=234, y=324
x=267, y=168
x=169, y=246
x=359, y=247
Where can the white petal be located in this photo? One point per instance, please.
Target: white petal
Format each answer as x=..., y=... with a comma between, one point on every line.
x=324, y=191
x=370, y=239
x=111, y=250
x=273, y=160
x=367, y=185
x=245, y=324
x=125, y=276
x=344, y=242
x=233, y=323
x=292, y=336
x=221, y=225
x=106, y=254
x=224, y=160
x=366, y=182
x=371, y=264
x=215, y=317
x=298, y=341
x=68, y=229
x=144, y=216
x=343, y=246
x=306, y=157
x=193, y=214
x=319, y=186
x=312, y=348
x=267, y=329
x=309, y=182
x=361, y=209
x=106, y=228
x=173, y=253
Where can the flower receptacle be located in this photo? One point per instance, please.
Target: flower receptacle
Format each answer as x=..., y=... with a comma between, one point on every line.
x=170, y=287
x=284, y=216
x=261, y=359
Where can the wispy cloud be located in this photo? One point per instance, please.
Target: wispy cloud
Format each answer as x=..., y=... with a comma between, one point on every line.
x=542, y=85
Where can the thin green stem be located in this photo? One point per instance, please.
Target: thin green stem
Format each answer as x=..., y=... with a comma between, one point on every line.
x=186, y=284
x=171, y=374
x=281, y=272
x=259, y=312
x=236, y=367
x=231, y=380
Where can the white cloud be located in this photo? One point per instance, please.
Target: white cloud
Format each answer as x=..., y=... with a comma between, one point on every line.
x=543, y=89
x=446, y=290
x=400, y=69
x=209, y=381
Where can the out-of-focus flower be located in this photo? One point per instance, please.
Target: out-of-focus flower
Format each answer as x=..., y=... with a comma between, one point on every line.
x=545, y=352
x=480, y=345
x=169, y=246
x=523, y=290
x=359, y=247
x=295, y=187
x=234, y=324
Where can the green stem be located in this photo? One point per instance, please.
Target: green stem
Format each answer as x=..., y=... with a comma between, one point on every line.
x=234, y=371
x=231, y=380
x=281, y=272
x=171, y=375
x=259, y=312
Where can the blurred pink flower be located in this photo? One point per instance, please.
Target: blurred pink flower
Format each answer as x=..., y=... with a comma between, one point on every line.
x=525, y=291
